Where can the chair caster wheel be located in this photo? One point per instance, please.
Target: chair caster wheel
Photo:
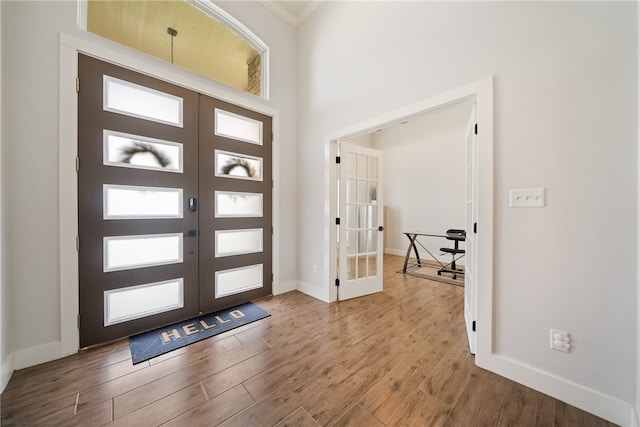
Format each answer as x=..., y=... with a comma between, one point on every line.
x=439, y=273
x=454, y=277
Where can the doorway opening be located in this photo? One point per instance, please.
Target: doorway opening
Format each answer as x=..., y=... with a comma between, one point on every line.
x=478, y=302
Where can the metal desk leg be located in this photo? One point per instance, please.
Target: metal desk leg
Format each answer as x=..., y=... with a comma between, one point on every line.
x=412, y=244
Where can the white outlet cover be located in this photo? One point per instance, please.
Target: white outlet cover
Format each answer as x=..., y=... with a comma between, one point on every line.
x=526, y=198
x=559, y=340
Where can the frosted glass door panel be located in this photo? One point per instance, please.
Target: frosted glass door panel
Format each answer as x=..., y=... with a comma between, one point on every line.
x=135, y=302
x=127, y=252
x=133, y=151
x=134, y=100
x=230, y=204
x=239, y=166
x=236, y=242
x=229, y=282
x=238, y=127
x=130, y=202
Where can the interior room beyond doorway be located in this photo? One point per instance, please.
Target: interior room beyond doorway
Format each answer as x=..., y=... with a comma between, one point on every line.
x=424, y=177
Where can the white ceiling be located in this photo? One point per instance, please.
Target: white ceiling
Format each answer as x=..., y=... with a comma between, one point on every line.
x=293, y=11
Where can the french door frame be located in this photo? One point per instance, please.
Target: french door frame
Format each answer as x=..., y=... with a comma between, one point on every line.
x=482, y=92
x=70, y=47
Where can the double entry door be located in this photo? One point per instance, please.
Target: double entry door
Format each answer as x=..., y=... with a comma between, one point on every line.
x=174, y=203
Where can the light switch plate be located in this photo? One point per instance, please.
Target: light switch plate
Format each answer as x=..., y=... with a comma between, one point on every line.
x=526, y=198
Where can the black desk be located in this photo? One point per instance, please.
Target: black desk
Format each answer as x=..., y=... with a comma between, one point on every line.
x=413, y=238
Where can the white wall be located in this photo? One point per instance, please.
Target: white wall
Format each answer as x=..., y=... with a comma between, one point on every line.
x=424, y=177
x=564, y=119
x=31, y=34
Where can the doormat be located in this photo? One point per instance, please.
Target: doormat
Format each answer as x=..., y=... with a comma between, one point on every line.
x=148, y=345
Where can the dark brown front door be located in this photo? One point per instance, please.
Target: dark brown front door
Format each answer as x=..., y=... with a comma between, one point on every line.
x=235, y=214
x=163, y=234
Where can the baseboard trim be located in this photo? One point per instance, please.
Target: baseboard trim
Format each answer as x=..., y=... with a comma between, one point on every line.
x=36, y=355
x=313, y=291
x=284, y=287
x=607, y=407
x=395, y=252
x=7, y=371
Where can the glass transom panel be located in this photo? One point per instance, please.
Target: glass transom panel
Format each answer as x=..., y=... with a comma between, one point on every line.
x=135, y=302
x=127, y=252
x=238, y=127
x=133, y=100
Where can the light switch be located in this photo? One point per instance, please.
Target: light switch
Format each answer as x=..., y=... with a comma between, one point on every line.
x=526, y=198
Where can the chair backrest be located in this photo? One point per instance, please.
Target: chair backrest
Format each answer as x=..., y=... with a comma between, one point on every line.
x=456, y=234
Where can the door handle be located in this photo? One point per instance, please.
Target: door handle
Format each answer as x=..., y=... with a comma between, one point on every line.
x=193, y=204
x=191, y=233
x=380, y=228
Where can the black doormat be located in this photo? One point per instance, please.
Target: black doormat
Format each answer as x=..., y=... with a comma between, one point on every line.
x=148, y=345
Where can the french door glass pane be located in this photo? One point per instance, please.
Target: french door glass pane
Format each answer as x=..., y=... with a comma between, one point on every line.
x=352, y=267
x=351, y=190
x=363, y=197
x=134, y=151
x=230, y=204
x=362, y=166
x=235, y=242
x=237, y=127
x=372, y=266
x=239, y=166
x=134, y=100
x=132, y=202
x=236, y=280
x=351, y=164
x=134, y=302
x=127, y=252
x=373, y=168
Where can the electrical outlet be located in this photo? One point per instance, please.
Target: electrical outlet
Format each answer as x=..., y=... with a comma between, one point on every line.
x=559, y=340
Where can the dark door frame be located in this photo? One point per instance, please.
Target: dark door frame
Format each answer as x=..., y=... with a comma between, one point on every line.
x=70, y=47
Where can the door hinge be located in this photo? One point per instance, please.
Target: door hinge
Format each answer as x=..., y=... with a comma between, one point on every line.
x=475, y=129
x=272, y=230
x=473, y=326
x=337, y=282
x=77, y=243
x=337, y=221
x=78, y=84
x=78, y=321
x=77, y=164
x=271, y=277
x=475, y=228
x=338, y=159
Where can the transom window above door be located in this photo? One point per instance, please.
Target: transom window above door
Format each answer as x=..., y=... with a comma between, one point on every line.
x=196, y=35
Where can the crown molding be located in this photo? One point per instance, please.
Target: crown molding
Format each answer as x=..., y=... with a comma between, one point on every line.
x=294, y=19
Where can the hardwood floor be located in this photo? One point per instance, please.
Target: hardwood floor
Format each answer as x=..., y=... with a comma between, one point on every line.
x=397, y=358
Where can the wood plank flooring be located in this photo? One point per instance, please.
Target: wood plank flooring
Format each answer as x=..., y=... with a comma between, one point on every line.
x=397, y=358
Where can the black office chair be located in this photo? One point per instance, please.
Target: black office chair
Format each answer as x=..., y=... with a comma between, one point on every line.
x=457, y=236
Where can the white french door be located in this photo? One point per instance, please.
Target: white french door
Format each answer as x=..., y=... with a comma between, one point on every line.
x=471, y=243
x=361, y=221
